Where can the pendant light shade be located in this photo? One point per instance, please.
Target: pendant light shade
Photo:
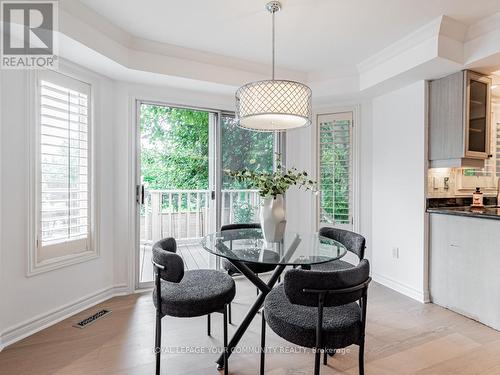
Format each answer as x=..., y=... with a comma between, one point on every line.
x=273, y=105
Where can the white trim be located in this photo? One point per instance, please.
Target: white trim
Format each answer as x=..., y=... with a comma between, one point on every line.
x=418, y=295
x=426, y=32
x=439, y=29
x=136, y=156
x=483, y=26
x=42, y=321
x=31, y=124
x=133, y=224
x=355, y=155
x=356, y=165
x=2, y=247
x=59, y=262
x=426, y=256
x=73, y=72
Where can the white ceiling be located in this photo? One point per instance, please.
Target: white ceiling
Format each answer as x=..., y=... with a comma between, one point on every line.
x=312, y=35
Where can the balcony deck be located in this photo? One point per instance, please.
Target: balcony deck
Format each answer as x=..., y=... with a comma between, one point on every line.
x=193, y=254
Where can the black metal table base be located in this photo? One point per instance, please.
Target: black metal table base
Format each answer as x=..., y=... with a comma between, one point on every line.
x=265, y=288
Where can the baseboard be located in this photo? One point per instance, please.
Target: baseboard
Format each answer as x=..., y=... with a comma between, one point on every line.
x=418, y=295
x=16, y=333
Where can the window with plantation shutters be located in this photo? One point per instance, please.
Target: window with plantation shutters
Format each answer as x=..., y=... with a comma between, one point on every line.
x=335, y=169
x=64, y=176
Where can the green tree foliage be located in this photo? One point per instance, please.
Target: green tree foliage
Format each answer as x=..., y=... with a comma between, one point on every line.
x=244, y=149
x=274, y=183
x=175, y=144
x=174, y=153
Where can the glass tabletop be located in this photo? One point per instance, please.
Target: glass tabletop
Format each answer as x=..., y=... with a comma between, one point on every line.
x=248, y=245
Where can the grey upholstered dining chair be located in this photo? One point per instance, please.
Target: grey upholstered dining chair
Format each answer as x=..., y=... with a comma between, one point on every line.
x=354, y=243
x=320, y=310
x=255, y=267
x=187, y=294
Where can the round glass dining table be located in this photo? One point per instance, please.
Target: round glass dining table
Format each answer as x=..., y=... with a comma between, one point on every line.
x=244, y=246
x=296, y=249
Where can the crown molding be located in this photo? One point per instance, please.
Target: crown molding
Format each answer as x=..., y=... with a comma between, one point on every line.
x=482, y=27
x=82, y=24
x=419, y=36
x=209, y=58
x=440, y=42
x=482, y=46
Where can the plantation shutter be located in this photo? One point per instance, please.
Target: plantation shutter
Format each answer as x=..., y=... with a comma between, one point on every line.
x=64, y=175
x=335, y=169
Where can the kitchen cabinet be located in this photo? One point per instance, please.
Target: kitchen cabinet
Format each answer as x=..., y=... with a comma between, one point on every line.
x=460, y=120
x=463, y=266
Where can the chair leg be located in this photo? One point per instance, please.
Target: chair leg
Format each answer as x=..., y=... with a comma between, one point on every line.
x=225, y=341
x=325, y=357
x=229, y=311
x=263, y=344
x=208, y=325
x=317, y=360
x=158, y=342
x=362, y=357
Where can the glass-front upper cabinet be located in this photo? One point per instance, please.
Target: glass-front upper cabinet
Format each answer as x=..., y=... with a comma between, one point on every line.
x=477, y=115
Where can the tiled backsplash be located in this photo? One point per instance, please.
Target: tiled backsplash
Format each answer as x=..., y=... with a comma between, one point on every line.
x=437, y=187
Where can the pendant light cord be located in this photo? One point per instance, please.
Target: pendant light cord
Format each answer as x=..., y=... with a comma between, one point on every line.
x=273, y=45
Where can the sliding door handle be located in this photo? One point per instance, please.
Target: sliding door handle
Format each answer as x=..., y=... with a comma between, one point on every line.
x=139, y=194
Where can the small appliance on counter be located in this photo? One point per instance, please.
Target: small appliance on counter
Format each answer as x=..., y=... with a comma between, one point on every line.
x=477, y=200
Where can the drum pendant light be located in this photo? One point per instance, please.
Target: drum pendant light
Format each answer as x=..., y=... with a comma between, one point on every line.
x=275, y=104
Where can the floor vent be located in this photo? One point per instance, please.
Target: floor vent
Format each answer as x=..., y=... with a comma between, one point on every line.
x=91, y=319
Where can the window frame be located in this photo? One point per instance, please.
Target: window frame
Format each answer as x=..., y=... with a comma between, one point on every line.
x=354, y=165
x=65, y=253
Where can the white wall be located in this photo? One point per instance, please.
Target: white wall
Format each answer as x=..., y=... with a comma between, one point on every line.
x=300, y=203
x=398, y=171
x=365, y=135
x=28, y=303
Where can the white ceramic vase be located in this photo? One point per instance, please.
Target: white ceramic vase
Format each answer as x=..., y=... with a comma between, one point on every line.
x=272, y=218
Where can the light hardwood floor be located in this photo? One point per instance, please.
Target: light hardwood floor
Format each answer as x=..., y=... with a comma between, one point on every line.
x=403, y=337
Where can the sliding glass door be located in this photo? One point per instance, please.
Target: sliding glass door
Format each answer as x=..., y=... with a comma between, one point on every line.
x=182, y=190
x=175, y=167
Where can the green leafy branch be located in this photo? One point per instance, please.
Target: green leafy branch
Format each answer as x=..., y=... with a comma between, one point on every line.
x=277, y=182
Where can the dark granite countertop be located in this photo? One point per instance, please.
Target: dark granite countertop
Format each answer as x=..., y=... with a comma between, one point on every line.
x=488, y=212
